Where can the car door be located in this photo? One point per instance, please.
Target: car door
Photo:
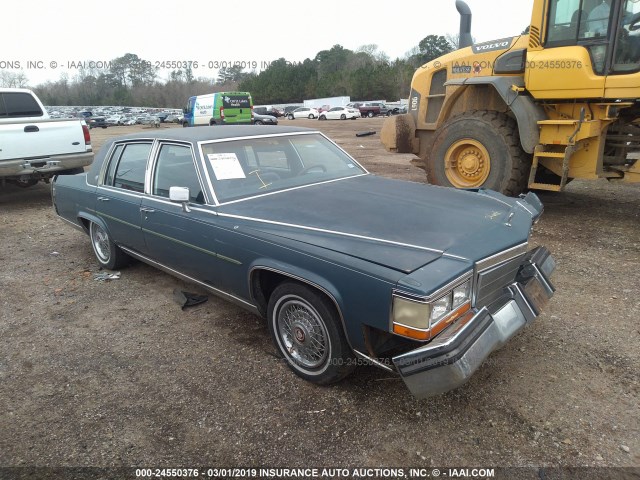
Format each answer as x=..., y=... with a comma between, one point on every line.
x=334, y=113
x=183, y=240
x=120, y=193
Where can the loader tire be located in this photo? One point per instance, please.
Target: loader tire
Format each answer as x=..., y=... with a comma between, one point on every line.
x=477, y=149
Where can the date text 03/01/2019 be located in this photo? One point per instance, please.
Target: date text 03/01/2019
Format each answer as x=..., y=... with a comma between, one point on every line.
x=306, y=473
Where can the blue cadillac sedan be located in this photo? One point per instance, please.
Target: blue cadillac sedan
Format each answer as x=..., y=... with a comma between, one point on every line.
x=345, y=266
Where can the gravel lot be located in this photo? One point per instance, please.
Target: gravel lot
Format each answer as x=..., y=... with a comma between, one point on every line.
x=116, y=374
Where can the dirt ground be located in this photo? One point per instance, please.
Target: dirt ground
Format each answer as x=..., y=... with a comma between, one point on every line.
x=116, y=374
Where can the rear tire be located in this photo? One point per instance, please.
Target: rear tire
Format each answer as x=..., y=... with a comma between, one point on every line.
x=107, y=253
x=479, y=149
x=307, y=333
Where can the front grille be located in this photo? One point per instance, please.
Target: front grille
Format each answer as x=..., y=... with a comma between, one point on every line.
x=491, y=282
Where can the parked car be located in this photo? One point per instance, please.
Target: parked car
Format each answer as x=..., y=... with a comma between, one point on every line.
x=397, y=110
x=273, y=111
x=276, y=112
x=97, y=122
x=174, y=118
x=303, y=112
x=162, y=116
x=288, y=109
x=369, y=109
x=114, y=120
x=264, y=119
x=286, y=224
x=340, y=113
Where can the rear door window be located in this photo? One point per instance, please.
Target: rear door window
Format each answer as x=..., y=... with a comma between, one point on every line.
x=131, y=169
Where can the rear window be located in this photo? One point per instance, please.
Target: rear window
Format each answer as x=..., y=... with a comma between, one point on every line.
x=236, y=101
x=20, y=104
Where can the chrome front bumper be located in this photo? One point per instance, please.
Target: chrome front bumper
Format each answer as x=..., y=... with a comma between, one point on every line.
x=452, y=357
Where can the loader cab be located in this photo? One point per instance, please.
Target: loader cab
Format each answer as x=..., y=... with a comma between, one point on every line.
x=591, y=47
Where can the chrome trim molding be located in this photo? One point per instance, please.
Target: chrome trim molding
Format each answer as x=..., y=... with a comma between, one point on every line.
x=222, y=294
x=375, y=362
x=501, y=257
x=322, y=230
x=438, y=293
x=71, y=223
x=120, y=190
x=250, y=137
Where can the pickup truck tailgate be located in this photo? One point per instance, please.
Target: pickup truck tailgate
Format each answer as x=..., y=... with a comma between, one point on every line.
x=45, y=138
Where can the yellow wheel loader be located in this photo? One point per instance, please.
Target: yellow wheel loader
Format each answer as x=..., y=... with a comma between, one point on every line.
x=559, y=102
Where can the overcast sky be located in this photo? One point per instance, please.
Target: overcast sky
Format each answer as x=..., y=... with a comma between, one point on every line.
x=50, y=34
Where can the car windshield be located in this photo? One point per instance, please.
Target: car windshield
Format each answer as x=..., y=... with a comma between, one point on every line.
x=255, y=166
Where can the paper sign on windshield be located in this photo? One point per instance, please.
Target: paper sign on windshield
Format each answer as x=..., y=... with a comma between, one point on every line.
x=226, y=166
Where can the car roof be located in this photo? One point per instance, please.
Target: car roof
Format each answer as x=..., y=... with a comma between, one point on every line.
x=205, y=133
x=195, y=135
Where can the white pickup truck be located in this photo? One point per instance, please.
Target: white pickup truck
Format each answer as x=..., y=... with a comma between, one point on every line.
x=35, y=147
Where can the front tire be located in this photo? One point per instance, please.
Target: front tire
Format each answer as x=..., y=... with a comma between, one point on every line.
x=370, y=114
x=291, y=117
x=479, y=149
x=108, y=253
x=311, y=117
x=306, y=331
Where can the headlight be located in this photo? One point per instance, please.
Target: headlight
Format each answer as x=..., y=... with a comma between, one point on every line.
x=461, y=294
x=441, y=307
x=411, y=318
x=421, y=320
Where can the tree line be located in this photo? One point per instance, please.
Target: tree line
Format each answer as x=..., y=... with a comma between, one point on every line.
x=364, y=73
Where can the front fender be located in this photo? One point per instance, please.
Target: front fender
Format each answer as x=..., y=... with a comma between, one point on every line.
x=301, y=275
x=526, y=111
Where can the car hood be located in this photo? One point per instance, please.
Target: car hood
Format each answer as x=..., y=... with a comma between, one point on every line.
x=397, y=224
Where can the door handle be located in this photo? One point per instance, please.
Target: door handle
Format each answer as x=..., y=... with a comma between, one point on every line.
x=147, y=210
x=31, y=128
x=103, y=199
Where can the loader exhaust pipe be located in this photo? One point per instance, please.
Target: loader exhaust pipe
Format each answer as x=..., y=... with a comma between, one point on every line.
x=465, y=39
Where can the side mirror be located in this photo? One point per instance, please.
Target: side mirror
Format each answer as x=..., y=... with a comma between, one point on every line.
x=180, y=195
